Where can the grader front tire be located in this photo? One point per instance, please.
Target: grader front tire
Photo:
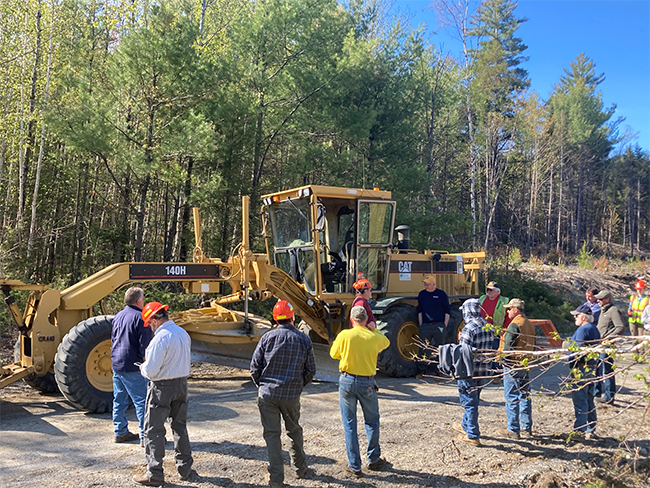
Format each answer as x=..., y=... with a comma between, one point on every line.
x=83, y=367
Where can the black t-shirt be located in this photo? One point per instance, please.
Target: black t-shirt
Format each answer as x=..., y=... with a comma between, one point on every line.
x=433, y=306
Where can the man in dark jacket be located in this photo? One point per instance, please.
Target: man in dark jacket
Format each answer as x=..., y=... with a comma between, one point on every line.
x=283, y=363
x=129, y=340
x=610, y=325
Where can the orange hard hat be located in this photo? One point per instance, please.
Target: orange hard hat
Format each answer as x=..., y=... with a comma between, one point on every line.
x=362, y=284
x=151, y=309
x=640, y=285
x=283, y=310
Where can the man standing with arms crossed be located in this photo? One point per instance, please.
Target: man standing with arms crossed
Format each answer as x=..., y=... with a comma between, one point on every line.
x=357, y=349
x=610, y=325
x=283, y=363
x=129, y=340
x=520, y=336
x=167, y=367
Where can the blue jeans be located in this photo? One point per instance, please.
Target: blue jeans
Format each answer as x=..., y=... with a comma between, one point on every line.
x=516, y=390
x=469, y=392
x=583, y=402
x=607, y=386
x=362, y=390
x=126, y=385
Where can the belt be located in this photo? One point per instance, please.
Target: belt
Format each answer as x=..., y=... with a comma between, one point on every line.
x=357, y=375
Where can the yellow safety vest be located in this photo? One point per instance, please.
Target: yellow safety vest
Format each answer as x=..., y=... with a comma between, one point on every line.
x=637, y=305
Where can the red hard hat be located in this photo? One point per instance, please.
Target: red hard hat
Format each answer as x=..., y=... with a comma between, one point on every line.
x=362, y=284
x=151, y=309
x=640, y=285
x=283, y=310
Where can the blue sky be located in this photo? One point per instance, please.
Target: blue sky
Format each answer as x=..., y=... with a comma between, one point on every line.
x=615, y=34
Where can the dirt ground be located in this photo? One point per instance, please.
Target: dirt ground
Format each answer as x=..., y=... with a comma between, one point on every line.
x=47, y=442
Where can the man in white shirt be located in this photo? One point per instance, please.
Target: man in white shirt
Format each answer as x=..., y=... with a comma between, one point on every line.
x=167, y=366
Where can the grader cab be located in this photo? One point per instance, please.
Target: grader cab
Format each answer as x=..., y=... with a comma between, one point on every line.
x=319, y=240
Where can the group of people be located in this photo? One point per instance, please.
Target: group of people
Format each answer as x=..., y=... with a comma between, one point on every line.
x=283, y=363
x=151, y=363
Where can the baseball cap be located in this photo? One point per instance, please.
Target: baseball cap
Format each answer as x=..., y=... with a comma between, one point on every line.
x=429, y=279
x=494, y=285
x=516, y=303
x=603, y=294
x=582, y=309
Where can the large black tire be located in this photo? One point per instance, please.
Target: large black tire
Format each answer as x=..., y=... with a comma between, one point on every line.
x=45, y=383
x=400, y=325
x=83, y=367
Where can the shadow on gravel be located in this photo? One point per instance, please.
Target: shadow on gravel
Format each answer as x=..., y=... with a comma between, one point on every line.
x=38, y=422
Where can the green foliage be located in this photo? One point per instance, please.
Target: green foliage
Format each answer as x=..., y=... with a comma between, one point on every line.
x=156, y=107
x=585, y=260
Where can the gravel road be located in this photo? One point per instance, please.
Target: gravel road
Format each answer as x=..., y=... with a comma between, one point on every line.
x=46, y=442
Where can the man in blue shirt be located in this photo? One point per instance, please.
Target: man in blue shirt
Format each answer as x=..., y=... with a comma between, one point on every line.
x=590, y=296
x=129, y=340
x=283, y=363
x=584, y=371
x=433, y=318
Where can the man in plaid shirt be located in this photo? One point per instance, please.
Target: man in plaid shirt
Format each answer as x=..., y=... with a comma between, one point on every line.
x=473, y=338
x=283, y=363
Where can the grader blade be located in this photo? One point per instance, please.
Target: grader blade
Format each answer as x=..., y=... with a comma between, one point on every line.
x=222, y=336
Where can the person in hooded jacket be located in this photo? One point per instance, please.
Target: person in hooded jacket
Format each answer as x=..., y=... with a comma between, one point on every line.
x=477, y=337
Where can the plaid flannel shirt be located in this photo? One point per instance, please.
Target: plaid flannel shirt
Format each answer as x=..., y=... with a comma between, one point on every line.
x=476, y=337
x=283, y=363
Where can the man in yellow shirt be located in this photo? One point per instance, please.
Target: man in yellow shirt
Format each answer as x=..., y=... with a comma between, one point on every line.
x=357, y=349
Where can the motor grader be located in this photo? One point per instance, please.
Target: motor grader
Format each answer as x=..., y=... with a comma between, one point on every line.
x=318, y=240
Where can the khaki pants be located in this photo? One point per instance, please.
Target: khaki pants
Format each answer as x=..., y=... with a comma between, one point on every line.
x=636, y=328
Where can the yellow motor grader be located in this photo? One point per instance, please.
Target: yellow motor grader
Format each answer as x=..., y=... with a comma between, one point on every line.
x=319, y=239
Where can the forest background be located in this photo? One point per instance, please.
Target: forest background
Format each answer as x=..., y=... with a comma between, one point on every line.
x=119, y=116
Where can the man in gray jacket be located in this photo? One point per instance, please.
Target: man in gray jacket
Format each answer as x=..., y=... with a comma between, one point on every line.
x=610, y=325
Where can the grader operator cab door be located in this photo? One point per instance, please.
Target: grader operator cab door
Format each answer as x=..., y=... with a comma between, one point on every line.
x=375, y=222
x=293, y=241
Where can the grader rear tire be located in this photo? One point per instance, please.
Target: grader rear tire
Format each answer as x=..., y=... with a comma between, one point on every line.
x=83, y=367
x=400, y=325
x=45, y=383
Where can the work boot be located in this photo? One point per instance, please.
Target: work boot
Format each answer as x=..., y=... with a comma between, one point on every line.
x=463, y=437
x=128, y=437
x=458, y=427
x=356, y=472
x=147, y=480
x=191, y=476
x=305, y=472
x=377, y=465
x=508, y=433
x=528, y=434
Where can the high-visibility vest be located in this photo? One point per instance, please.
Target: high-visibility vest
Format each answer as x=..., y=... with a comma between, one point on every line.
x=637, y=305
x=499, y=311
